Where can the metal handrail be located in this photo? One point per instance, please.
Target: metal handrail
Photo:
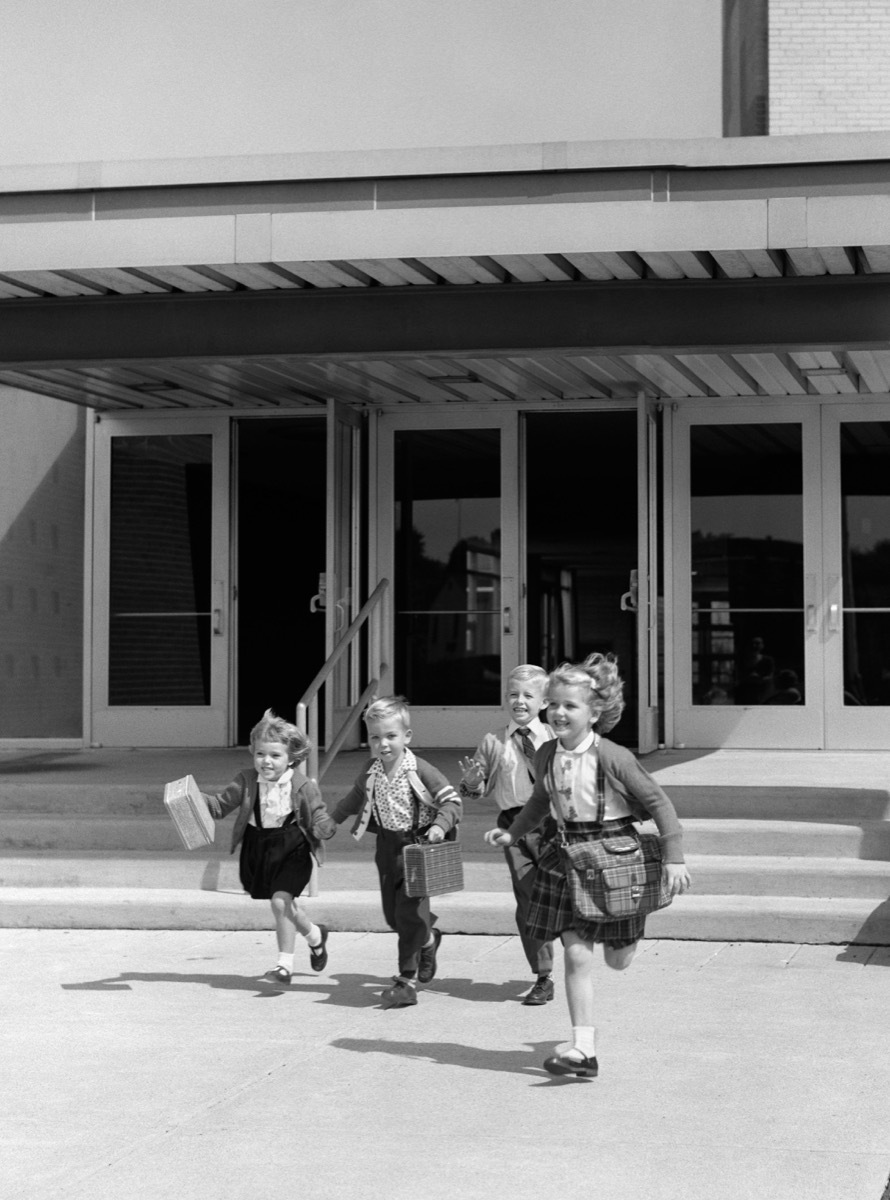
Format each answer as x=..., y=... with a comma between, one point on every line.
x=307, y=708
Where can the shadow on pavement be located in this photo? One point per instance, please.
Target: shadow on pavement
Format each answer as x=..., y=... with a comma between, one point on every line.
x=348, y=990
x=455, y=1054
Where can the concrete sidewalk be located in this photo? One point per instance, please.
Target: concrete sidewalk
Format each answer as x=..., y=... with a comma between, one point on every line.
x=152, y=1064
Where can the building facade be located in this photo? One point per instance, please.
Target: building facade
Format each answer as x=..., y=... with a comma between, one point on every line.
x=544, y=397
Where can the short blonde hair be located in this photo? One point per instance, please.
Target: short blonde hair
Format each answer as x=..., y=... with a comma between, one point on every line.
x=387, y=707
x=272, y=728
x=528, y=673
x=605, y=687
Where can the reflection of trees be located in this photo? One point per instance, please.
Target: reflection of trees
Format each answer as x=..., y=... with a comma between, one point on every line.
x=422, y=577
x=867, y=635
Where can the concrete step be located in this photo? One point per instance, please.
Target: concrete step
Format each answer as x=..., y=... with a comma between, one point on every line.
x=820, y=839
x=747, y=875
x=755, y=802
x=691, y=917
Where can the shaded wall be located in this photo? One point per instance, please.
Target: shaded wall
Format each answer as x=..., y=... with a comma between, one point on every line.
x=41, y=565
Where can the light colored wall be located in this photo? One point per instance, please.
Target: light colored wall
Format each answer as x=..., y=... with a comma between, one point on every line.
x=828, y=66
x=84, y=80
x=41, y=566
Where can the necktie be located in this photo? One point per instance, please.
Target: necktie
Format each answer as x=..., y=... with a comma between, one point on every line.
x=528, y=748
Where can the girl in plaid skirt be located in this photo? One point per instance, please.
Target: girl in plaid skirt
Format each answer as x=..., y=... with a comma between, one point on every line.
x=597, y=789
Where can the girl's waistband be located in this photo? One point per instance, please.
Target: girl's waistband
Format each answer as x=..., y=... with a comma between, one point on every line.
x=618, y=825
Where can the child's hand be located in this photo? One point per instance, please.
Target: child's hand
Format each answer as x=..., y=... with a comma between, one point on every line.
x=436, y=833
x=676, y=878
x=499, y=837
x=473, y=772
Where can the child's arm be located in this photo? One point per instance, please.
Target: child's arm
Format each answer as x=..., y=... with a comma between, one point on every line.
x=226, y=801
x=352, y=803
x=476, y=772
x=321, y=825
x=445, y=799
x=535, y=810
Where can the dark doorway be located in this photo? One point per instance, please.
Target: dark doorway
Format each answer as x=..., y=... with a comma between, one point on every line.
x=281, y=501
x=581, y=534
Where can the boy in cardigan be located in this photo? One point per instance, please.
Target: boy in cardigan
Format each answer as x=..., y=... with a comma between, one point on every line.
x=401, y=799
x=502, y=769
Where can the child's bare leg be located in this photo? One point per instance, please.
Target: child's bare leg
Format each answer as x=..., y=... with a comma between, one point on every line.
x=285, y=923
x=579, y=978
x=620, y=958
x=316, y=936
x=581, y=1059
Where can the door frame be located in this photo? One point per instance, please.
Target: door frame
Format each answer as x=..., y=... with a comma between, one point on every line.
x=161, y=725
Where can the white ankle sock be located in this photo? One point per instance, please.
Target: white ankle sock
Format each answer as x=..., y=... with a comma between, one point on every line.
x=286, y=961
x=584, y=1039
x=313, y=937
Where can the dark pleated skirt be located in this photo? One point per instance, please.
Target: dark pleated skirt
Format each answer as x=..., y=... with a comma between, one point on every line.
x=550, y=910
x=274, y=860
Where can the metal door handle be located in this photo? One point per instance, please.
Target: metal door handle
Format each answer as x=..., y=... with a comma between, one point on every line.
x=812, y=623
x=217, y=622
x=508, y=620
x=834, y=617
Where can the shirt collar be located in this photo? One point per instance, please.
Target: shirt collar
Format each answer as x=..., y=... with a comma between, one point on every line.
x=408, y=763
x=582, y=747
x=535, y=728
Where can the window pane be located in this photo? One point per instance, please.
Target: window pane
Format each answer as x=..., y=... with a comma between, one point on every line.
x=747, y=564
x=159, y=587
x=448, y=566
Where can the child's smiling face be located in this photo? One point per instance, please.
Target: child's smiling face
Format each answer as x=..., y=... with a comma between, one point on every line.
x=525, y=699
x=271, y=760
x=570, y=712
x=388, y=740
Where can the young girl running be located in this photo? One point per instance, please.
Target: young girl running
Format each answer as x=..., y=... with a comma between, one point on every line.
x=584, y=702
x=280, y=825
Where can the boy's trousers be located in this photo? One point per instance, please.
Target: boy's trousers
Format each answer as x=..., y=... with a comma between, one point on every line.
x=521, y=858
x=409, y=916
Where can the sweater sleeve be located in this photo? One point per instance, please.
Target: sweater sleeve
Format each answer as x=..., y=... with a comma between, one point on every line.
x=640, y=787
x=226, y=801
x=321, y=824
x=446, y=799
x=352, y=803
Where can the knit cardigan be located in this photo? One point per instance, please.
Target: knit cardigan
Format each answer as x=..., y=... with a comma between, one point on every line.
x=310, y=814
x=644, y=797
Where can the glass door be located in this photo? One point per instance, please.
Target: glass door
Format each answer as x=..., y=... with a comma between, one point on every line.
x=448, y=536
x=855, y=617
x=747, y=579
x=161, y=582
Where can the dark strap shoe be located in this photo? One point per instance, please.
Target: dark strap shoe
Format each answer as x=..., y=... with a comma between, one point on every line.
x=426, y=969
x=583, y=1066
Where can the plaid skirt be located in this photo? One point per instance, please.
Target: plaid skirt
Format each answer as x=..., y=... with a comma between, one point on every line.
x=550, y=911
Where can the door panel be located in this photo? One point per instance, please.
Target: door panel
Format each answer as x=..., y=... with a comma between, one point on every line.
x=747, y=557
x=342, y=565
x=856, y=617
x=448, y=530
x=161, y=582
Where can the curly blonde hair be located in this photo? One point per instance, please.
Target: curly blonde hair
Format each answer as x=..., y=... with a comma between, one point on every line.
x=599, y=674
x=272, y=728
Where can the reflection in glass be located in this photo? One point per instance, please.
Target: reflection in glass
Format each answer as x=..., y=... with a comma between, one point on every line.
x=448, y=566
x=747, y=564
x=865, y=533
x=159, y=586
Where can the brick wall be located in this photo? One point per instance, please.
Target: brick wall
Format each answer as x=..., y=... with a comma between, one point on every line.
x=829, y=66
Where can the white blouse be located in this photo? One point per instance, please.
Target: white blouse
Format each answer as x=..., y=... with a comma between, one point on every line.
x=574, y=772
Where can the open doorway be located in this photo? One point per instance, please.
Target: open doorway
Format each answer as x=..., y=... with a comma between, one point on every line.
x=581, y=543
x=280, y=520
